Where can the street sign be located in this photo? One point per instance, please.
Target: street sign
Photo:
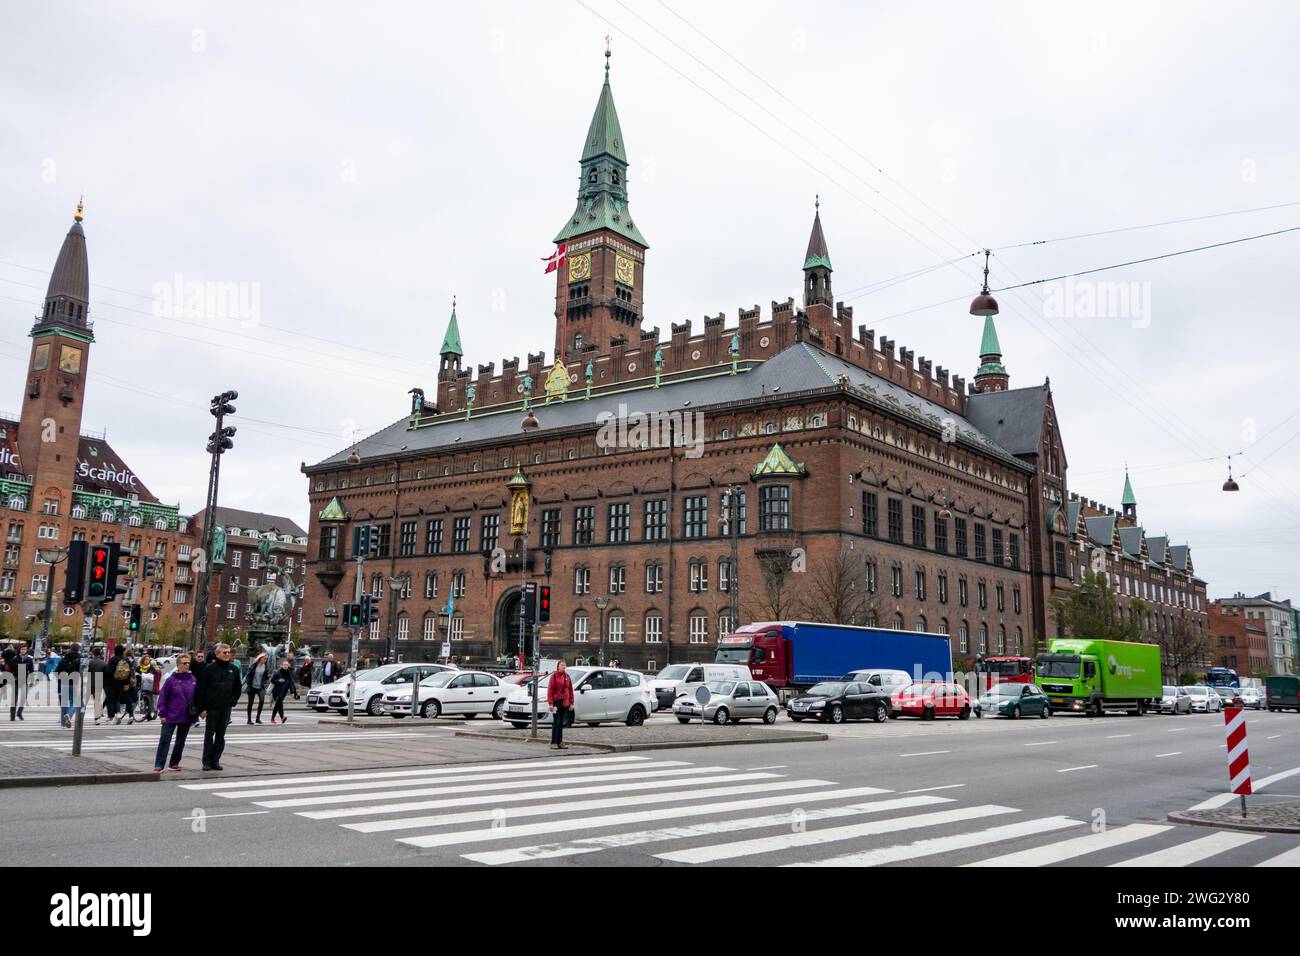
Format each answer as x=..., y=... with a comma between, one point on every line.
x=702, y=696
x=1234, y=726
x=446, y=649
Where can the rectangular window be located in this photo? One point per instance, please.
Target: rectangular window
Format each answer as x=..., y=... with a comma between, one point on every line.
x=430, y=632
x=963, y=595
x=699, y=576
x=983, y=592
x=959, y=537
x=696, y=517
x=656, y=520
x=433, y=536
x=551, y=528
x=918, y=525
x=582, y=581
x=1013, y=546
x=619, y=530
x=329, y=542
x=870, y=514
x=920, y=584
x=489, y=532
x=430, y=586
x=871, y=577
x=584, y=524
x=1015, y=600
x=1000, y=595
x=403, y=628
x=234, y=585
x=774, y=508
x=581, y=628
x=231, y=610
x=385, y=540
x=981, y=552
x=997, y=546
x=742, y=513
x=458, y=628
x=654, y=629
x=39, y=581
x=1062, y=569
x=895, y=521
x=896, y=581
x=724, y=575
x=460, y=535
x=654, y=578
x=940, y=534
x=615, y=628
x=458, y=584
x=15, y=532
x=617, y=578
x=943, y=588
x=699, y=629
x=406, y=540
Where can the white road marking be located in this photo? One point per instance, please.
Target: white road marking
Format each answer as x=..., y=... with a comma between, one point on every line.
x=211, y=816
x=1174, y=730
x=1174, y=753
x=619, y=840
x=947, y=786
x=927, y=753
x=1118, y=736
x=775, y=766
x=615, y=819
x=1193, y=852
x=1041, y=743
x=936, y=845
x=1274, y=737
x=787, y=841
x=1290, y=858
x=1078, y=846
x=1090, y=766
x=1223, y=799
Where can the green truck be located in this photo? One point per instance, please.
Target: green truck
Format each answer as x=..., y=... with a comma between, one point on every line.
x=1086, y=676
x=1283, y=692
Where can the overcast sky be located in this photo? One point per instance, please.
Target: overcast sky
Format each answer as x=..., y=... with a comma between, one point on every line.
x=354, y=166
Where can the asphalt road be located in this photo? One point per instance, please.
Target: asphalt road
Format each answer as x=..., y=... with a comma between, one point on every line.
x=1067, y=790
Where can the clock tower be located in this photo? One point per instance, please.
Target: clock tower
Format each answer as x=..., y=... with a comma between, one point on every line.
x=599, y=286
x=50, y=426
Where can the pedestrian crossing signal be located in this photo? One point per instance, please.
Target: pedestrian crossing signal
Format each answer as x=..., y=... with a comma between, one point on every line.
x=352, y=615
x=74, y=585
x=135, y=618
x=544, y=604
x=369, y=610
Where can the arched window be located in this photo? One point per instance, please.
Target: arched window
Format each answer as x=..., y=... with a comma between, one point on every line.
x=160, y=524
x=699, y=626
x=615, y=627
x=581, y=627
x=430, y=632
x=963, y=637
x=898, y=622
x=943, y=625
x=107, y=515
x=984, y=639
x=1019, y=639
x=135, y=521
x=79, y=511
x=403, y=627
x=430, y=585
x=920, y=623
x=654, y=627
x=1002, y=639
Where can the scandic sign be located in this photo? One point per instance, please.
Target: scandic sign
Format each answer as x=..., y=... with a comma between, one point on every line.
x=106, y=473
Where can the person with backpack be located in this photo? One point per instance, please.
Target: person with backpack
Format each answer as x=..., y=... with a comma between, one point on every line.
x=97, y=671
x=282, y=682
x=117, y=684
x=177, y=712
x=150, y=680
x=68, y=674
x=217, y=693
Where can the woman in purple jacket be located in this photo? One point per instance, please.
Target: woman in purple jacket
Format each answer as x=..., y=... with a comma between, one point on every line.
x=174, y=710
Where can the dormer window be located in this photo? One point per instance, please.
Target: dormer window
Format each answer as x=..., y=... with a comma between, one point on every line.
x=615, y=175
x=592, y=176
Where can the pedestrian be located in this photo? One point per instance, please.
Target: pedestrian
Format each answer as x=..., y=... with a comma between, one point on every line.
x=68, y=675
x=282, y=681
x=117, y=684
x=256, y=683
x=293, y=670
x=22, y=667
x=176, y=711
x=559, y=696
x=304, y=675
x=151, y=680
x=215, y=696
x=329, y=671
x=51, y=663
x=198, y=660
x=131, y=695
x=7, y=672
x=96, y=672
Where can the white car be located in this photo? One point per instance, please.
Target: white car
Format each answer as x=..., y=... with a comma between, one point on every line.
x=1252, y=697
x=371, y=685
x=1204, y=699
x=600, y=695
x=452, y=694
x=677, y=680
x=892, y=681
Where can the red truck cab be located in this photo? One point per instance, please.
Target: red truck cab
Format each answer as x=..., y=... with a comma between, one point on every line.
x=992, y=671
x=763, y=648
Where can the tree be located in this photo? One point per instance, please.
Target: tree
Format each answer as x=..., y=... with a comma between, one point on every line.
x=1092, y=612
x=1184, y=651
x=778, y=595
x=836, y=590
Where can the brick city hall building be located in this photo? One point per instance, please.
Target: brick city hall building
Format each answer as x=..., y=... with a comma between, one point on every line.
x=59, y=483
x=823, y=472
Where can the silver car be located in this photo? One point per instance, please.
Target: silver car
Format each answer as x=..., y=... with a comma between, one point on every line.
x=731, y=702
x=1204, y=699
x=1252, y=697
x=1175, y=701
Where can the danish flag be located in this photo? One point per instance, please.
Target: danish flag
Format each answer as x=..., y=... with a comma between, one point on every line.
x=1234, y=724
x=556, y=258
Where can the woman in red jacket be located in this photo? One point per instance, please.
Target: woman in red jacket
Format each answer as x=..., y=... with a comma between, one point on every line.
x=559, y=695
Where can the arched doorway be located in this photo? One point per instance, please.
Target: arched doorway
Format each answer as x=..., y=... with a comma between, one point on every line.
x=505, y=635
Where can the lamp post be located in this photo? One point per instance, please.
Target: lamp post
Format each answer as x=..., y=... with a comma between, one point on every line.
x=397, y=585
x=601, y=604
x=53, y=557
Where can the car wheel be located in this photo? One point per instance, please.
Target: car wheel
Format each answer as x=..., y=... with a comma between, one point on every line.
x=799, y=720
x=720, y=716
x=373, y=706
x=836, y=715
x=498, y=708
x=683, y=720
x=881, y=713
x=431, y=708
x=769, y=715
x=927, y=713
x=1047, y=712
x=965, y=712
x=1015, y=712
x=636, y=716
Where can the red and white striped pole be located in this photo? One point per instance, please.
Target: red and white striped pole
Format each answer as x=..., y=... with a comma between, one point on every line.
x=1234, y=726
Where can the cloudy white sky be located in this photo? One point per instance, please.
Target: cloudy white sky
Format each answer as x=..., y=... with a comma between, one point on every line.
x=357, y=165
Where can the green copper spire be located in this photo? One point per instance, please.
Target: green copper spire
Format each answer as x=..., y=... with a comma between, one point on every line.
x=817, y=254
x=1129, y=498
x=602, y=193
x=451, y=341
x=990, y=351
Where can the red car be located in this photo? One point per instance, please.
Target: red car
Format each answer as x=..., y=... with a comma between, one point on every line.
x=930, y=699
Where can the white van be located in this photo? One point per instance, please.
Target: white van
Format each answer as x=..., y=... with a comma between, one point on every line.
x=678, y=679
x=891, y=681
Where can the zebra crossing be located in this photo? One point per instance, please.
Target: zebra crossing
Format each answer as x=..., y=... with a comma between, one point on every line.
x=683, y=812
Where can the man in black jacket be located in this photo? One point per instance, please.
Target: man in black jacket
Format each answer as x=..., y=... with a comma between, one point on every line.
x=23, y=668
x=217, y=693
x=330, y=670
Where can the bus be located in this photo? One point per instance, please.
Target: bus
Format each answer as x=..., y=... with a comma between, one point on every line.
x=1222, y=677
x=991, y=671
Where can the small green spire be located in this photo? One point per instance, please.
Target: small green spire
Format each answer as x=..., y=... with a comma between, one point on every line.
x=451, y=341
x=989, y=345
x=778, y=462
x=817, y=254
x=1129, y=498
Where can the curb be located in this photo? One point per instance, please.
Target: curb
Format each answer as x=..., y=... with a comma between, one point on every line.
x=662, y=745
x=79, y=779
x=1177, y=817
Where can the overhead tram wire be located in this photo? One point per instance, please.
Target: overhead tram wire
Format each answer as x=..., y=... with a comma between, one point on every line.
x=1149, y=225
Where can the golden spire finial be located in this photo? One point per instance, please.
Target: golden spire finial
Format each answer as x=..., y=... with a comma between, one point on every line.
x=81, y=205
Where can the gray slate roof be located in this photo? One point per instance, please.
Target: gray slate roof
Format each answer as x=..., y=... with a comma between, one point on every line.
x=1157, y=548
x=1013, y=419
x=257, y=521
x=1130, y=540
x=1101, y=529
x=1178, y=555
x=800, y=367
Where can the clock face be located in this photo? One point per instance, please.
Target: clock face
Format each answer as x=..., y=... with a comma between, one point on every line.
x=580, y=267
x=42, y=359
x=624, y=270
x=70, y=360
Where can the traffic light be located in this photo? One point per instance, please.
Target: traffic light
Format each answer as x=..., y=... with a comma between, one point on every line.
x=530, y=604
x=220, y=442
x=116, y=569
x=221, y=403
x=97, y=573
x=544, y=604
x=369, y=610
x=352, y=615
x=135, y=618
x=365, y=541
x=74, y=585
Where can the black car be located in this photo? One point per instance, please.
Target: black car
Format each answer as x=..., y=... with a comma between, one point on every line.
x=837, y=701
